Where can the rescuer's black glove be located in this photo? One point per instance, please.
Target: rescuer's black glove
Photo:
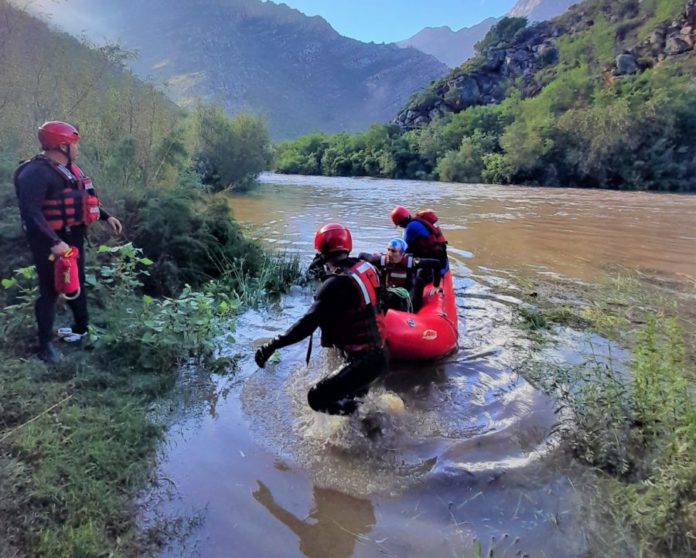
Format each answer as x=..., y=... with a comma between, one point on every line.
x=264, y=353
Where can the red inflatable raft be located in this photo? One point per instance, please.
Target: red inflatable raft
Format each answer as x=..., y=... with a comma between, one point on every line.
x=430, y=334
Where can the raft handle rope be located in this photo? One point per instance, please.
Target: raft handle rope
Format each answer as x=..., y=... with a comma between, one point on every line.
x=404, y=294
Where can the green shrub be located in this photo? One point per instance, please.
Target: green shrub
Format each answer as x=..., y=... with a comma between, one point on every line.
x=641, y=431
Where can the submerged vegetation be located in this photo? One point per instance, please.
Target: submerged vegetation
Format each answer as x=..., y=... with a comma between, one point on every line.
x=574, y=124
x=634, y=422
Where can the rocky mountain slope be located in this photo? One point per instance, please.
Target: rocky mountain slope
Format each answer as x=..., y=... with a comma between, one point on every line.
x=539, y=10
x=295, y=71
x=454, y=47
x=525, y=58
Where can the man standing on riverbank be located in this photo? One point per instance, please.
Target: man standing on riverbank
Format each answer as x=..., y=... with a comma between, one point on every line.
x=57, y=202
x=346, y=310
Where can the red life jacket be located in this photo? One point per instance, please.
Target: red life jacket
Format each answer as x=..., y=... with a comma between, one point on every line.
x=427, y=215
x=435, y=242
x=397, y=275
x=75, y=204
x=358, y=329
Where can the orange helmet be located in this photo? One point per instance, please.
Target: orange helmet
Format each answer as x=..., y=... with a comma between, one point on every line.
x=333, y=238
x=55, y=133
x=400, y=214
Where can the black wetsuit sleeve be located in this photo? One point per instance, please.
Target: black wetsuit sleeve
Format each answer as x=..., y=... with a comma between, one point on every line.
x=33, y=184
x=374, y=259
x=304, y=327
x=427, y=263
x=430, y=263
x=334, y=297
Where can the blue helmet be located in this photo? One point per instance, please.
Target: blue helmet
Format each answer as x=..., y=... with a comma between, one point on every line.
x=396, y=245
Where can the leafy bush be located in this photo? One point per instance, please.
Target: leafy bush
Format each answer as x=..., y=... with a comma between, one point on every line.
x=230, y=153
x=191, y=238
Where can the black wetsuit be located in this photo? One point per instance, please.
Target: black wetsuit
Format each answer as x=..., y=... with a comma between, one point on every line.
x=336, y=394
x=34, y=183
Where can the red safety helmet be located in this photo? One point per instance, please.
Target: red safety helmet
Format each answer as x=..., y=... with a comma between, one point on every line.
x=53, y=134
x=333, y=238
x=399, y=215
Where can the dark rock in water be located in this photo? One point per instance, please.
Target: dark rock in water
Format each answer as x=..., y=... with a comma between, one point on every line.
x=371, y=426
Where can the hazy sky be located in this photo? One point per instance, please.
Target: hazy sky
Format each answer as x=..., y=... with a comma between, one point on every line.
x=394, y=20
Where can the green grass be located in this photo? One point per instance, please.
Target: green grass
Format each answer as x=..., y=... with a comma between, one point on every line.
x=634, y=428
x=76, y=443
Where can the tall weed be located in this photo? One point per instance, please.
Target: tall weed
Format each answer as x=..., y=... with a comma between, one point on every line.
x=640, y=430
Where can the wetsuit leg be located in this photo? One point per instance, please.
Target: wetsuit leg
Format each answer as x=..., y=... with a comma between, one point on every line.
x=76, y=238
x=336, y=394
x=444, y=261
x=423, y=277
x=45, y=306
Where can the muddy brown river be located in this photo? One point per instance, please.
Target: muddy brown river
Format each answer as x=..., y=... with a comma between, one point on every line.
x=254, y=472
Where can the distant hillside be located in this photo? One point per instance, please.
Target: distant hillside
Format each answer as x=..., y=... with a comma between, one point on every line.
x=295, y=71
x=454, y=47
x=539, y=10
x=46, y=75
x=450, y=47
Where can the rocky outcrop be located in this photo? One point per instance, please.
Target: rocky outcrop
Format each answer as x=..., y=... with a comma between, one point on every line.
x=537, y=10
x=665, y=41
x=487, y=78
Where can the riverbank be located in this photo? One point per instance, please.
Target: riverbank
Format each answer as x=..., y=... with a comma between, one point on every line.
x=78, y=441
x=632, y=424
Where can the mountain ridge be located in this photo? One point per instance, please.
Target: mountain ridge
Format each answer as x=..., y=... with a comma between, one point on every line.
x=454, y=47
x=448, y=46
x=295, y=71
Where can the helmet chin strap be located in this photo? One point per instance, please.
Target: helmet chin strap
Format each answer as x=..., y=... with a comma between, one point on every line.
x=65, y=153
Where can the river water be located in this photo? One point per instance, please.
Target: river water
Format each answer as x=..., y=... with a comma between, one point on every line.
x=473, y=456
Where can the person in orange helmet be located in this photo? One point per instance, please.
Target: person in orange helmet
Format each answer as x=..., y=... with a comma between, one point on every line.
x=57, y=202
x=346, y=309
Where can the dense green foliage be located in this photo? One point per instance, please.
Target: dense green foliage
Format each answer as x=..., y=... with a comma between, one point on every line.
x=77, y=442
x=581, y=129
x=230, y=152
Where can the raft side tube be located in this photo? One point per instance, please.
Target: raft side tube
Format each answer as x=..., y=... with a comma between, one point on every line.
x=430, y=334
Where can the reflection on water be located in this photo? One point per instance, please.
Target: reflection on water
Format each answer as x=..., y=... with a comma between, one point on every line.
x=334, y=524
x=473, y=455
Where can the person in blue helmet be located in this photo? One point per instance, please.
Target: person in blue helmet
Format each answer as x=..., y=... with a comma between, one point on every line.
x=403, y=275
